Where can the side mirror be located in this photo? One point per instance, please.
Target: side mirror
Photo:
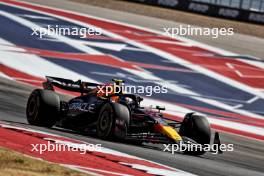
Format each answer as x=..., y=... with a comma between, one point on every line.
x=160, y=108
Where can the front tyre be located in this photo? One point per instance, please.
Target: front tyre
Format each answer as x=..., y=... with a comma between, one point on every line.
x=43, y=108
x=197, y=128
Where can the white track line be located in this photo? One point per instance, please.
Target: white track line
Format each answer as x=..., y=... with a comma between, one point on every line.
x=186, y=42
x=168, y=56
x=34, y=65
x=153, y=170
x=172, y=87
x=219, y=123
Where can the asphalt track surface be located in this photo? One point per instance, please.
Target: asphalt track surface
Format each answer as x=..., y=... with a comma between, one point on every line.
x=246, y=159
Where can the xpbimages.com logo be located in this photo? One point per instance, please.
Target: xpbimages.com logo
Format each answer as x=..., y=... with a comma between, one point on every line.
x=131, y=89
x=183, y=30
x=50, y=30
x=191, y=147
x=65, y=146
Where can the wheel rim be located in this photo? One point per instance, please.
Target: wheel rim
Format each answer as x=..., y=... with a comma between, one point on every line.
x=33, y=107
x=105, y=123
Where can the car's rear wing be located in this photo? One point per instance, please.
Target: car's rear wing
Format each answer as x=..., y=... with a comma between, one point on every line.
x=67, y=84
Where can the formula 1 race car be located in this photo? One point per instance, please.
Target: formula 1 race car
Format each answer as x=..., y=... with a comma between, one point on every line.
x=112, y=114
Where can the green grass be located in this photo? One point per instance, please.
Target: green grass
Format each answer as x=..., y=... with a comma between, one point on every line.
x=16, y=164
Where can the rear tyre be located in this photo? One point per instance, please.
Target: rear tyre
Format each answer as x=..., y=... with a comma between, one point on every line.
x=105, y=124
x=197, y=128
x=122, y=120
x=43, y=108
x=113, y=121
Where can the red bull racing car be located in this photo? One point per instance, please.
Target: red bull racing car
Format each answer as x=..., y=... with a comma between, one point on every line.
x=112, y=113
